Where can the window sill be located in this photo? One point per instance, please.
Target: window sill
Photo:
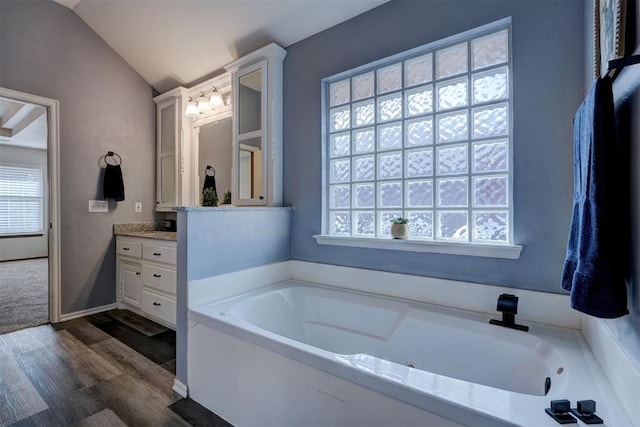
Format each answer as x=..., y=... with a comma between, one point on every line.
x=19, y=236
x=476, y=249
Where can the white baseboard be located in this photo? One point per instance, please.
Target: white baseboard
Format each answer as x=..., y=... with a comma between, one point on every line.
x=620, y=369
x=180, y=388
x=87, y=312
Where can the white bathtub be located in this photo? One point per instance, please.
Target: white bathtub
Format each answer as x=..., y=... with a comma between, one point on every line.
x=301, y=354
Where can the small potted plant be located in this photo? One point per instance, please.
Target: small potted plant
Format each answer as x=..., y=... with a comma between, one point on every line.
x=400, y=228
x=226, y=200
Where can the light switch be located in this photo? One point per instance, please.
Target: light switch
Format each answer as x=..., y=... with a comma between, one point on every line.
x=98, y=206
x=138, y=206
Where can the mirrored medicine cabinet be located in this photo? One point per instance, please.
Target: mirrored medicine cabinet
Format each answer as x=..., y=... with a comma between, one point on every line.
x=238, y=143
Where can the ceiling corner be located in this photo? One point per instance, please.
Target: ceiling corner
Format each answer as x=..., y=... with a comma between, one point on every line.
x=68, y=3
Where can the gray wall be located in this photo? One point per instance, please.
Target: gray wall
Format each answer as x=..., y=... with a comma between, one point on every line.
x=626, y=91
x=216, y=150
x=548, y=86
x=216, y=241
x=49, y=51
x=33, y=246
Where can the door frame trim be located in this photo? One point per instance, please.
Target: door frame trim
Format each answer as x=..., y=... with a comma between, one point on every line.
x=53, y=159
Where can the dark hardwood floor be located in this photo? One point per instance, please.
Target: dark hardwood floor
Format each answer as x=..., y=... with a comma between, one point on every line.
x=109, y=369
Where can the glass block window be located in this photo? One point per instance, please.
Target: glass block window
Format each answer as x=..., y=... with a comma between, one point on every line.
x=425, y=134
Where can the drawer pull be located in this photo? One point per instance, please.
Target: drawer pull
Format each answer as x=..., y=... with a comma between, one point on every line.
x=137, y=273
x=156, y=303
x=157, y=275
x=125, y=249
x=157, y=254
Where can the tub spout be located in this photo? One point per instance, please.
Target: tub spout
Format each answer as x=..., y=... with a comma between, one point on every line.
x=508, y=306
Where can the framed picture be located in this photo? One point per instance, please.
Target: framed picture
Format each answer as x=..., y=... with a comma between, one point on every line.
x=609, y=18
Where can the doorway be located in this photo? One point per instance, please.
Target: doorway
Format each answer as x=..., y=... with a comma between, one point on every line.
x=29, y=213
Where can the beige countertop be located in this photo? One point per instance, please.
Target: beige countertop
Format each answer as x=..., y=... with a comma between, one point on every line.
x=147, y=230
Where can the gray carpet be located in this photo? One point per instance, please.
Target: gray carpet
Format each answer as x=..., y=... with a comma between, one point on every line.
x=24, y=294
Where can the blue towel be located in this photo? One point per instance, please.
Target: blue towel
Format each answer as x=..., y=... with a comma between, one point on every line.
x=594, y=266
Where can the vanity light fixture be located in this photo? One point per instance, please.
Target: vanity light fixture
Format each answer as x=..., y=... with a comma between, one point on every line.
x=204, y=103
x=192, y=108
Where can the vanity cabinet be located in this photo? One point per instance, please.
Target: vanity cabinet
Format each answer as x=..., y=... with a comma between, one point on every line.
x=173, y=172
x=146, y=280
x=256, y=81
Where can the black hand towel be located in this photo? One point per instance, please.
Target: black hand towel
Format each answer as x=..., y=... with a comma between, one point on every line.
x=594, y=267
x=113, y=184
x=210, y=182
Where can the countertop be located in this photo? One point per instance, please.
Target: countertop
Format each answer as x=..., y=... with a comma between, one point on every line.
x=147, y=230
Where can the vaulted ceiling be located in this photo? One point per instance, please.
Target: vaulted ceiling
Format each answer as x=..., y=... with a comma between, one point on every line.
x=178, y=42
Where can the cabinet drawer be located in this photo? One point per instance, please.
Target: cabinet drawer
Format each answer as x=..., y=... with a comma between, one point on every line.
x=159, y=278
x=128, y=248
x=159, y=253
x=161, y=307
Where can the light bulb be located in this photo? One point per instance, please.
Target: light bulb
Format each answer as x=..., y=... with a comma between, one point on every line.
x=203, y=104
x=215, y=99
x=192, y=109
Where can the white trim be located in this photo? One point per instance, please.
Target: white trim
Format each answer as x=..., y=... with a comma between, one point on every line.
x=620, y=369
x=180, y=388
x=87, y=312
x=471, y=249
x=53, y=155
x=270, y=50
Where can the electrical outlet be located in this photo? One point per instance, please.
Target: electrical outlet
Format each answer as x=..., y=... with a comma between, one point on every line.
x=98, y=206
x=138, y=206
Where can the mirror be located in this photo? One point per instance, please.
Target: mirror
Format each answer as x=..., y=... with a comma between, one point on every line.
x=250, y=169
x=249, y=102
x=250, y=109
x=167, y=157
x=215, y=149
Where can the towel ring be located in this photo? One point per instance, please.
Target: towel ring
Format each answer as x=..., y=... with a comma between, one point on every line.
x=111, y=154
x=210, y=168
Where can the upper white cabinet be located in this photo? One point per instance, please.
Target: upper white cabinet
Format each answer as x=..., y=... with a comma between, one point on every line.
x=247, y=160
x=257, y=127
x=173, y=151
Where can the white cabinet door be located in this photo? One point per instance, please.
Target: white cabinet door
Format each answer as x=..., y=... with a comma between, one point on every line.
x=130, y=275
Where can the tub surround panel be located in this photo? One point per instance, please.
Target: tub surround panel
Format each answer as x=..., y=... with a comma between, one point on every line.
x=215, y=288
x=542, y=307
x=622, y=369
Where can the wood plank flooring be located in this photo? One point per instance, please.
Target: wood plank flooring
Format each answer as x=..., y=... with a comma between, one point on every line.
x=94, y=371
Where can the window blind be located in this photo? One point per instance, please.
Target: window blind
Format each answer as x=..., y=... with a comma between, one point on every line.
x=20, y=200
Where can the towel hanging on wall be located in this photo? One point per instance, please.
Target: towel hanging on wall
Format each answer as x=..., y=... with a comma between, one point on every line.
x=210, y=181
x=594, y=268
x=113, y=183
